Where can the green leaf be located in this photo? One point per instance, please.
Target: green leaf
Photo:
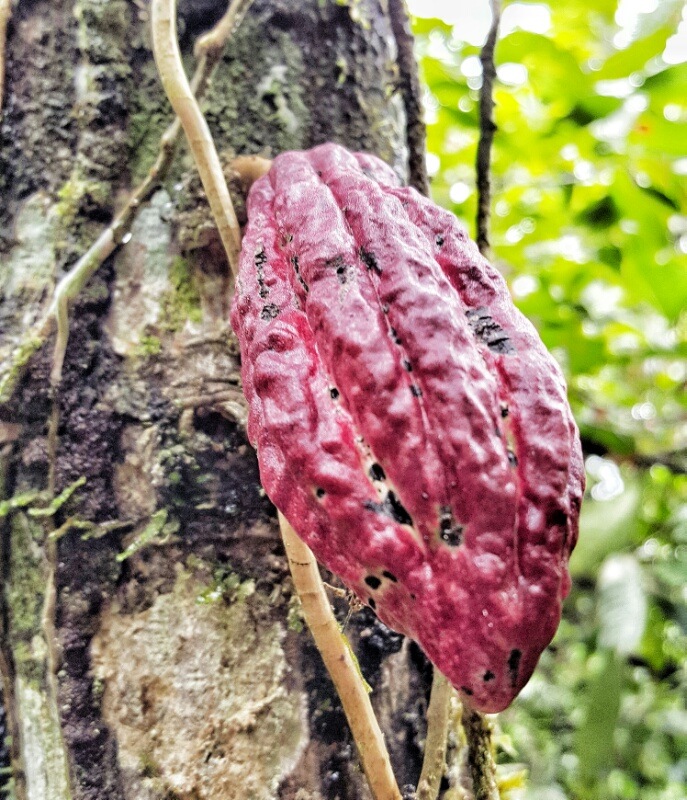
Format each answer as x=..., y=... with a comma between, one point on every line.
x=593, y=743
x=634, y=57
x=605, y=527
x=622, y=606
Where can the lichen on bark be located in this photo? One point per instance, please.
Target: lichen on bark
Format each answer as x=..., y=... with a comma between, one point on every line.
x=242, y=731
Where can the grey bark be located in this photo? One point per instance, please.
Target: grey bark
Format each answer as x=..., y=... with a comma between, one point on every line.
x=154, y=651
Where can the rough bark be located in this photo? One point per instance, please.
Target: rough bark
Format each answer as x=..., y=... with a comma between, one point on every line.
x=154, y=649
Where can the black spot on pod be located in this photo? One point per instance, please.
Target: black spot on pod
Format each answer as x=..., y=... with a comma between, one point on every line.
x=514, y=665
x=370, y=260
x=260, y=261
x=449, y=530
x=392, y=507
x=397, y=510
x=416, y=390
x=334, y=392
x=488, y=331
x=504, y=410
x=556, y=519
x=296, y=269
x=390, y=576
x=439, y=239
x=373, y=582
x=376, y=472
x=372, y=603
x=466, y=690
x=320, y=492
x=512, y=459
x=270, y=311
x=488, y=676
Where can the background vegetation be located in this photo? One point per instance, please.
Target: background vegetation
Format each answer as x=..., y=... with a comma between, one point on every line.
x=590, y=228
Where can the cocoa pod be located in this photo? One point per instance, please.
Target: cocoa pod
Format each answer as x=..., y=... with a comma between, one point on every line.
x=408, y=420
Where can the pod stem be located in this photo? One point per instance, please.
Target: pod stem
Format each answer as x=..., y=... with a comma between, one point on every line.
x=434, y=761
x=343, y=669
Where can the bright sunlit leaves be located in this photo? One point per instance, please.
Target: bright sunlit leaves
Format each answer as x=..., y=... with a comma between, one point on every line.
x=589, y=226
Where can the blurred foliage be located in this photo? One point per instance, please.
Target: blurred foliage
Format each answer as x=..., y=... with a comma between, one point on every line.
x=590, y=229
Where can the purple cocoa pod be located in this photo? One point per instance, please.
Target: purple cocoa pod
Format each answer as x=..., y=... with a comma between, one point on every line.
x=408, y=420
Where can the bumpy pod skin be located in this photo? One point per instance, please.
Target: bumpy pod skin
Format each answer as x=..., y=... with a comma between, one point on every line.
x=408, y=420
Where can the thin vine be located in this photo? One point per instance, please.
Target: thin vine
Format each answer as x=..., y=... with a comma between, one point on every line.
x=5, y=16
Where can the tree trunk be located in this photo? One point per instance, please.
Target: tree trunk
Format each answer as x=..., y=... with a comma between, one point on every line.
x=152, y=648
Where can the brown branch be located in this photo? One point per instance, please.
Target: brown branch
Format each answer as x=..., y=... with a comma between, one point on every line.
x=487, y=130
x=416, y=134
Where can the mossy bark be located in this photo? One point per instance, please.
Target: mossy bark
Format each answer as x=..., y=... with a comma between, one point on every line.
x=151, y=649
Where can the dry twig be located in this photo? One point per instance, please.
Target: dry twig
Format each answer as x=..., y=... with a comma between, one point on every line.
x=487, y=130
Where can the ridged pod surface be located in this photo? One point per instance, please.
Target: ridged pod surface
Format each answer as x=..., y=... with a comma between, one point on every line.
x=408, y=420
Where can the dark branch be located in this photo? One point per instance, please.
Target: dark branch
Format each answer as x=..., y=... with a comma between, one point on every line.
x=487, y=130
x=409, y=83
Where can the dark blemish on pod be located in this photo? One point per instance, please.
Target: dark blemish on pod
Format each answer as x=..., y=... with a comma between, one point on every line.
x=488, y=676
x=390, y=576
x=373, y=581
x=488, y=332
x=514, y=665
x=512, y=459
x=320, y=492
x=416, y=390
x=504, y=411
x=466, y=691
x=385, y=308
x=412, y=596
x=398, y=511
x=286, y=238
x=270, y=311
x=372, y=604
x=296, y=269
x=394, y=335
x=377, y=473
x=392, y=507
x=260, y=261
x=370, y=260
x=556, y=519
x=449, y=531
x=341, y=274
x=439, y=239
x=334, y=392
x=407, y=366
